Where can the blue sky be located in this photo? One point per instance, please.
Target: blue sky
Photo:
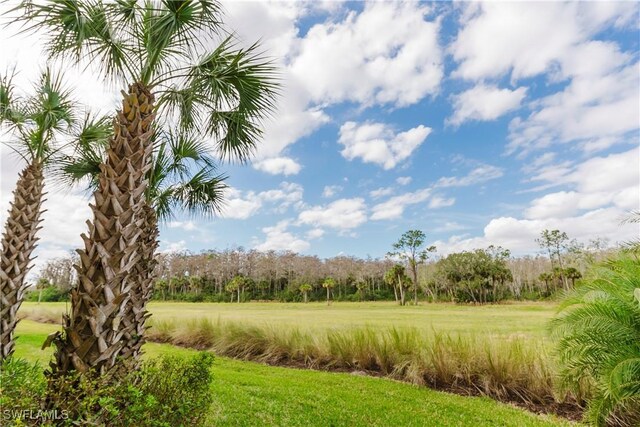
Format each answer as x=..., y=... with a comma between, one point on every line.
x=478, y=123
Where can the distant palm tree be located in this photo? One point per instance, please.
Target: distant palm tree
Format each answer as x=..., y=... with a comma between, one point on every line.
x=546, y=277
x=572, y=274
x=237, y=284
x=305, y=288
x=36, y=126
x=397, y=277
x=598, y=331
x=329, y=284
x=162, y=51
x=183, y=177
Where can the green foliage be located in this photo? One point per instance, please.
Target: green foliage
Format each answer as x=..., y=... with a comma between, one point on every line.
x=214, y=89
x=167, y=391
x=22, y=385
x=48, y=294
x=183, y=175
x=39, y=122
x=598, y=328
x=478, y=276
x=305, y=287
x=181, y=387
x=329, y=283
x=409, y=248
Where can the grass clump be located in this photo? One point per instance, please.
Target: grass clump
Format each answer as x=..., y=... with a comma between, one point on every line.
x=508, y=369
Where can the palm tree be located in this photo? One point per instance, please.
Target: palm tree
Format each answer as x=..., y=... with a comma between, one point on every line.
x=237, y=284
x=546, y=278
x=161, y=50
x=305, y=288
x=329, y=284
x=182, y=177
x=572, y=274
x=598, y=331
x=397, y=277
x=37, y=124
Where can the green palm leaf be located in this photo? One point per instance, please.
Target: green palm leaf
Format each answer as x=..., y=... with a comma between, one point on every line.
x=598, y=332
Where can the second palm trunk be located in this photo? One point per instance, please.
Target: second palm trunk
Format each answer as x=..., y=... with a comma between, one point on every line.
x=18, y=241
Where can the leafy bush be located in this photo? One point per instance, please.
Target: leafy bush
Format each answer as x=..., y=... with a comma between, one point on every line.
x=181, y=387
x=598, y=327
x=48, y=294
x=167, y=391
x=22, y=387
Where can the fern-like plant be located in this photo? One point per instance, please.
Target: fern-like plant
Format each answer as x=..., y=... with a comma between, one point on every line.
x=598, y=331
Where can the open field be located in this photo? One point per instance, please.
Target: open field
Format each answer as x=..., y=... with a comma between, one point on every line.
x=249, y=393
x=527, y=320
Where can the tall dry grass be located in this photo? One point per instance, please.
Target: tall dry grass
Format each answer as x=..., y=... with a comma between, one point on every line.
x=41, y=316
x=513, y=369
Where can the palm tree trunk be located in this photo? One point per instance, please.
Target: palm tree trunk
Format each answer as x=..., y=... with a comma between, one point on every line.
x=136, y=313
x=18, y=241
x=94, y=332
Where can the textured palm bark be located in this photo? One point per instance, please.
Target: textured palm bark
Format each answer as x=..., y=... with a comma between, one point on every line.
x=94, y=331
x=18, y=241
x=136, y=313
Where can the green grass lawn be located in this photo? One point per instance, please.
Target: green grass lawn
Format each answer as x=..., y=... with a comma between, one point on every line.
x=523, y=319
x=249, y=394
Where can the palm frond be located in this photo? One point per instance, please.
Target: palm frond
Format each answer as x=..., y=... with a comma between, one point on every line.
x=233, y=89
x=598, y=334
x=81, y=30
x=203, y=194
x=172, y=30
x=632, y=218
x=10, y=111
x=89, y=142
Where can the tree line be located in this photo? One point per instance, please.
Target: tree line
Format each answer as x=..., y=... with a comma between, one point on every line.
x=237, y=274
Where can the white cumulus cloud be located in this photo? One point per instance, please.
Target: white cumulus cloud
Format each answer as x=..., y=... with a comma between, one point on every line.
x=279, y=239
x=395, y=206
x=378, y=143
x=386, y=54
x=484, y=103
x=278, y=166
x=341, y=214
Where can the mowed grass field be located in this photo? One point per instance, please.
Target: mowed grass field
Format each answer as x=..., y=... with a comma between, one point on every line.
x=527, y=320
x=250, y=394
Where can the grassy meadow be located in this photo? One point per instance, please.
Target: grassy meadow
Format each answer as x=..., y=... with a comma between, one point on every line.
x=526, y=320
x=247, y=393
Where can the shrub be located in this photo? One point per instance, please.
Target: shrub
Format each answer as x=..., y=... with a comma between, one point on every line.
x=22, y=387
x=598, y=326
x=167, y=391
x=48, y=294
x=181, y=387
